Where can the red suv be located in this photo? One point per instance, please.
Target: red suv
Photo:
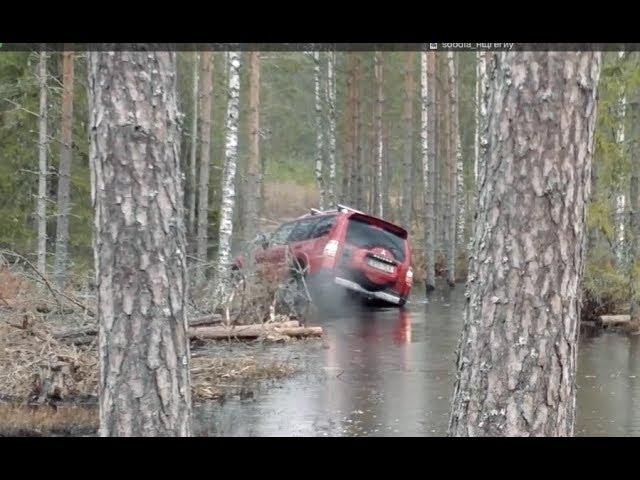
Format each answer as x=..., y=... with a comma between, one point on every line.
x=344, y=247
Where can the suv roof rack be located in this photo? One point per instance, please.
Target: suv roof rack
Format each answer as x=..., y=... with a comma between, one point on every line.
x=341, y=207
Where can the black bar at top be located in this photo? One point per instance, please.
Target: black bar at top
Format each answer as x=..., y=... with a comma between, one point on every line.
x=302, y=47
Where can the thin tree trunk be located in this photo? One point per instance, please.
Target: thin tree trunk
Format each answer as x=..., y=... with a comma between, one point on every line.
x=139, y=244
x=206, y=85
x=64, y=171
x=228, y=176
x=41, y=208
x=453, y=170
x=330, y=99
x=621, y=198
x=254, y=167
x=349, y=158
x=634, y=213
x=319, y=171
x=446, y=168
x=194, y=147
x=461, y=206
x=356, y=170
x=407, y=163
x=379, y=73
x=386, y=177
x=518, y=349
x=427, y=76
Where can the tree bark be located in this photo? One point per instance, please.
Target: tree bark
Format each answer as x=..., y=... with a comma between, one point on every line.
x=320, y=168
x=379, y=173
x=41, y=208
x=228, y=176
x=427, y=75
x=407, y=163
x=453, y=170
x=330, y=99
x=621, y=198
x=64, y=171
x=139, y=244
x=356, y=167
x=254, y=167
x=634, y=206
x=206, y=79
x=517, y=352
x=350, y=137
x=194, y=147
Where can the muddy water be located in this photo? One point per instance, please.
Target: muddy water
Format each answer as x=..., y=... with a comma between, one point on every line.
x=390, y=372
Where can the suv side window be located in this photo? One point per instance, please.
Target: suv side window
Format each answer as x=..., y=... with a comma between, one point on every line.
x=280, y=236
x=302, y=230
x=323, y=227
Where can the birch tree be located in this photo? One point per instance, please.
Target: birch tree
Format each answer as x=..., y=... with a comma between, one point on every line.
x=330, y=99
x=407, y=160
x=379, y=151
x=41, y=208
x=460, y=196
x=64, y=170
x=194, y=147
x=254, y=164
x=427, y=84
x=139, y=244
x=319, y=168
x=517, y=352
x=228, y=175
x=621, y=197
x=205, y=159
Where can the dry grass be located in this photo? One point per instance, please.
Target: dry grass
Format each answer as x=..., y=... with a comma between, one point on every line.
x=289, y=200
x=21, y=420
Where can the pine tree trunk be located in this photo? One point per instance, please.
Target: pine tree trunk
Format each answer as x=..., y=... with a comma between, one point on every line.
x=427, y=76
x=228, y=176
x=407, y=162
x=41, y=208
x=139, y=244
x=387, y=172
x=446, y=168
x=453, y=170
x=518, y=349
x=206, y=86
x=64, y=171
x=252, y=223
x=356, y=170
x=194, y=147
x=379, y=74
x=330, y=99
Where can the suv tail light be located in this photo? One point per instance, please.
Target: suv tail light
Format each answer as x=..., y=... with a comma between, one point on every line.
x=409, y=278
x=331, y=248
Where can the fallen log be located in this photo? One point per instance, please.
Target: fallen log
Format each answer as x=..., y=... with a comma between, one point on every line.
x=90, y=330
x=292, y=328
x=614, y=320
x=254, y=331
x=212, y=319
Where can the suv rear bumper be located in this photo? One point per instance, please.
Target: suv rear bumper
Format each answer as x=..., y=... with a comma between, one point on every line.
x=384, y=296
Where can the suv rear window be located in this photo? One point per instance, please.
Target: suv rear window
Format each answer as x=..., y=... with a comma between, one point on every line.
x=361, y=234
